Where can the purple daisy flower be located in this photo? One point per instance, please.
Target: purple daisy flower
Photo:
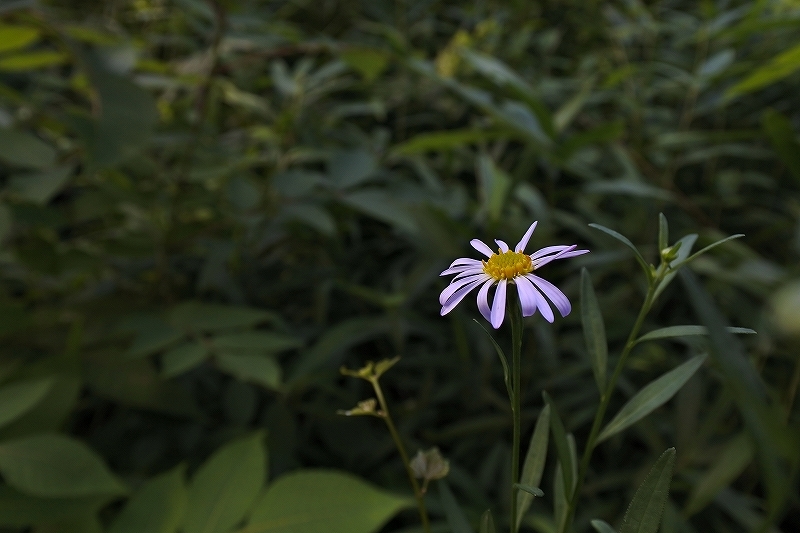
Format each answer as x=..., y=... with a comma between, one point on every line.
x=504, y=267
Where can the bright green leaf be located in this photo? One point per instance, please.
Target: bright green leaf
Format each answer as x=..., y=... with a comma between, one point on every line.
x=644, y=512
x=23, y=61
x=225, y=486
x=157, y=507
x=55, y=466
x=16, y=37
x=369, y=62
x=594, y=331
x=779, y=67
x=652, y=396
x=324, y=501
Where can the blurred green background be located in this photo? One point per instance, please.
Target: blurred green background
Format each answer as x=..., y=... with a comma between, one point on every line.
x=208, y=207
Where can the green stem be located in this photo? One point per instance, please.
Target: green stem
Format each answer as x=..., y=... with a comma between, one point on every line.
x=418, y=493
x=605, y=399
x=516, y=400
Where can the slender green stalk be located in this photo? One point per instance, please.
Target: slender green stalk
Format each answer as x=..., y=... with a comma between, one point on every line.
x=516, y=400
x=418, y=493
x=605, y=399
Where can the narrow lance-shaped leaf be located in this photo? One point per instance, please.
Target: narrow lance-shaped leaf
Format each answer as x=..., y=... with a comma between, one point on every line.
x=561, y=443
x=686, y=331
x=602, y=527
x=502, y=356
x=704, y=250
x=594, y=331
x=533, y=466
x=685, y=248
x=644, y=512
x=624, y=240
x=455, y=516
x=727, y=466
x=663, y=232
x=487, y=522
x=652, y=396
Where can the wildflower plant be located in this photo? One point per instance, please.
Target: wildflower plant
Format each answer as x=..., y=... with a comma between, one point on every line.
x=535, y=293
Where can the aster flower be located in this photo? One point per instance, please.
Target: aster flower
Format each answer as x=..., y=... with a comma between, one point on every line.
x=503, y=268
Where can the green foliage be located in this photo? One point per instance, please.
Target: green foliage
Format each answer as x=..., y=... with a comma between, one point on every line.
x=208, y=207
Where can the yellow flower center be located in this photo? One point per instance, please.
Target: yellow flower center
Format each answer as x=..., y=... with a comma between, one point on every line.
x=507, y=265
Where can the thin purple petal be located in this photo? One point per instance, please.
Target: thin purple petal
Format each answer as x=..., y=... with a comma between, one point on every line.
x=457, y=269
x=456, y=298
x=543, y=305
x=568, y=252
x=499, y=304
x=523, y=242
x=466, y=273
x=481, y=247
x=464, y=261
x=455, y=285
x=527, y=295
x=483, y=300
x=503, y=246
x=547, y=250
x=553, y=293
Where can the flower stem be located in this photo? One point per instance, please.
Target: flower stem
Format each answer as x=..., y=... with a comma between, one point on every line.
x=605, y=399
x=516, y=400
x=387, y=417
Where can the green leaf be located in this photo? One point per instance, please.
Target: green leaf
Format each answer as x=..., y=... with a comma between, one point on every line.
x=652, y=396
x=456, y=518
x=153, y=337
x=438, y=141
x=601, y=526
x=348, y=168
x=644, y=512
x=663, y=232
x=594, y=331
x=676, y=265
x=528, y=489
x=487, y=522
x=686, y=331
x=336, y=340
x=776, y=443
x=311, y=215
x=779, y=67
x=629, y=188
x=261, y=341
x=18, y=398
x=260, y=369
x=560, y=498
x=55, y=466
x=562, y=445
x=783, y=139
x=157, y=507
x=21, y=510
x=624, y=240
x=16, y=37
x=494, y=187
x=24, y=61
x=225, y=486
x=686, y=244
x=369, y=62
x=181, y=358
x=535, y=458
x=127, y=117
x=24, y=150
x=199, y=316
x=40, y=187
x=381, y=205
x=501, y=354
x=726, y=467
x=323, y=501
